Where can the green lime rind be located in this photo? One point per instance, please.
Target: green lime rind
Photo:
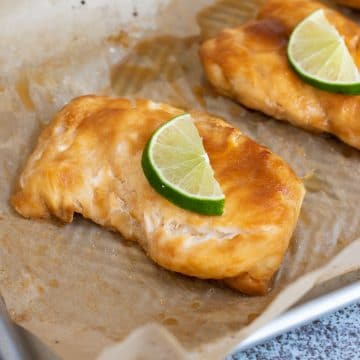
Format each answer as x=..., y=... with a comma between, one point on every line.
x=340, y=88
x=204, y=206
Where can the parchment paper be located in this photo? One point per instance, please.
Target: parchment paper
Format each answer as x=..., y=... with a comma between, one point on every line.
x=82, y=288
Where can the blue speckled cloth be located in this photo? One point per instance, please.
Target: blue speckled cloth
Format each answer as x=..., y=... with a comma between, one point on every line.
x=334, y=337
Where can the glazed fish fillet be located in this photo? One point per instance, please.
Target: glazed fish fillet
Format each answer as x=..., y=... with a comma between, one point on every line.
x=351, y=3
x=249, y=64
x=88, y=161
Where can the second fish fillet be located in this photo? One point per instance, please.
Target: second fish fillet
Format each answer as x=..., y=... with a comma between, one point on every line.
x=249, y=64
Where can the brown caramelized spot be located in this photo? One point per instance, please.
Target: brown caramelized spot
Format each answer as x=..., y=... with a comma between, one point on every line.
x=121, y=38
x=19, y=318
x=265, y=34
x=251, y=317
x=199, y=93
x=22, y=88
x=341, y=243
x=170, y=321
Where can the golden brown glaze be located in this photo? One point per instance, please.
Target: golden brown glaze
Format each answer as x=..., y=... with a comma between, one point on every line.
x=88, y=161
x=249, y=64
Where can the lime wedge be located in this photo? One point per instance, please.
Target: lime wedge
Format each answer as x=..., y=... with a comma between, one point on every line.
x=319, y=55
x=177, y=167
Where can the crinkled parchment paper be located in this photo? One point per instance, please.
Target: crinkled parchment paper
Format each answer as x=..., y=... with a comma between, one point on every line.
x=82, y=288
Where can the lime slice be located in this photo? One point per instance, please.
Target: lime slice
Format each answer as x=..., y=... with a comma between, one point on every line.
x=319, y=55
x=176, y=165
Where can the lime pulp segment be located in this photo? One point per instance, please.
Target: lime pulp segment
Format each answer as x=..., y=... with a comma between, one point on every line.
x=319, y=55
x=177, y=166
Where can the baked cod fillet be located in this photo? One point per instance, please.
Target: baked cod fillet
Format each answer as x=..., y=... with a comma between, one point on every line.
x=250, y=65
x=88, y=161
